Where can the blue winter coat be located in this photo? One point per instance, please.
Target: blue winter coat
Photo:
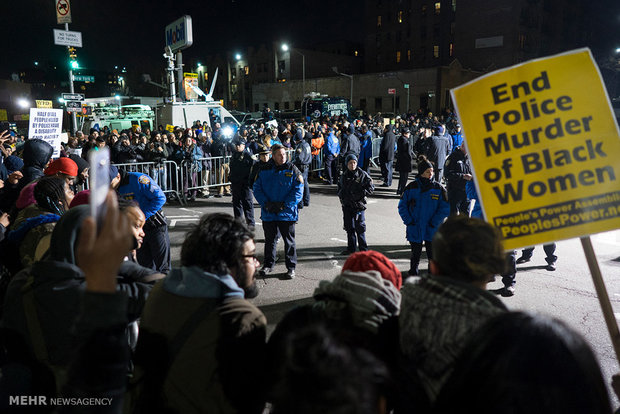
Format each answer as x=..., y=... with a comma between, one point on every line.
x=282, y=183
x=142, y=189
x=423, y=207
x=366, y=148
x=333, y=146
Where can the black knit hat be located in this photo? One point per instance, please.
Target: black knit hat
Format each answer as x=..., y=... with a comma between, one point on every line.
x=423, y=164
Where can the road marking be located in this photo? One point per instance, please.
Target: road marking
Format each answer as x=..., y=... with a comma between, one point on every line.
x=173, y=223
x=372, y=201
x=178, y=217
x=193, y=211
x=338, y=240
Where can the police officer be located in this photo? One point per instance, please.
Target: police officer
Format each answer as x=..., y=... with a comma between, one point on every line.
x=349, y=144
x=155, y=250
x=241, y=163
x=279, y=189
x=403, y=159
x=331, y=157
x=458, y=173
x=302, y=157
x=353, y=187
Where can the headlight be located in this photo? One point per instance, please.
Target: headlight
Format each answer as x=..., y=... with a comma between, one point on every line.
x=227, y=132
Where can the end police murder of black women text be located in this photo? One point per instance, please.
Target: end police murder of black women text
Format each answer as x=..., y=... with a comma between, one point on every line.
x=526, y=108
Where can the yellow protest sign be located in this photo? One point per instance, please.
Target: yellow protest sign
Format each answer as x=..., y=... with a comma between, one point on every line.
x=44, y=104
x=169, y=128
x=545, y=149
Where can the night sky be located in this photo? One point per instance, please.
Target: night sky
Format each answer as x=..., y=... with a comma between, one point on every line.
x=131, y=32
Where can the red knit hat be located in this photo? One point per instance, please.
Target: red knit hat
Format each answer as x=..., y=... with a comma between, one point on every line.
x=63, y=165
x=372, y=260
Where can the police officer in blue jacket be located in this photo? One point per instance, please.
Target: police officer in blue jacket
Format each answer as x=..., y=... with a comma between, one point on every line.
x=423, y=207
x=139, y=187
x=279, y=189
x=331, y=157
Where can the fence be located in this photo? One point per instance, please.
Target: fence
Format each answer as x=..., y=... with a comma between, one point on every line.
x=191, y=179
x=166, y=174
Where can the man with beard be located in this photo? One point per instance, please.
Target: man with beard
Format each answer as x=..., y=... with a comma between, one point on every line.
x=198, y=319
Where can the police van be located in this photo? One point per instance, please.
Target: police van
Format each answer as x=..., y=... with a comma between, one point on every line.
x=315, y=107
x=118, y=117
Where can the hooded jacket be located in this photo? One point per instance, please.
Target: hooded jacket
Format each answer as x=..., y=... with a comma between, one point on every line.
x=57, y=285
x=350, y=143
x=36, y=155
x=216, y=370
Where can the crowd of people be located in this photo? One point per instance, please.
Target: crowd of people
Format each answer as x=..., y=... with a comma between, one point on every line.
x=98, y=310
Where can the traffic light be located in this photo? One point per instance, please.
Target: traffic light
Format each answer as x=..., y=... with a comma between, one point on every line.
x=73, y=58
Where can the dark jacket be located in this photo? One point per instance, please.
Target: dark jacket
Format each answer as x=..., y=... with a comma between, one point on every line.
x=36, y=155
x=403, y=154
x=220, y=147
x=437, y=316
x=57, y=284
x=386, y=149
x=350, y=144
x=438, y=150
x=240, y=167
x=219, y=365
x=353, y=188
x=457, y=165
x=302, y=157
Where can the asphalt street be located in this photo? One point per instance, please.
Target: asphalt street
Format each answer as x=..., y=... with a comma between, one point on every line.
x=567, y=293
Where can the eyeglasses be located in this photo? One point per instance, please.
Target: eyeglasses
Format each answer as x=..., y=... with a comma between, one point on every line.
x=252, y=256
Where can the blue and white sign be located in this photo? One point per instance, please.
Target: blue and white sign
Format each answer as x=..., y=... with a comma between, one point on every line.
x=179, y=34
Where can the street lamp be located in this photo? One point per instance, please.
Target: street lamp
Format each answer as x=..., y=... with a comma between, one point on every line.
x=285, y=48
x=238, y=57
x=335, y=69
x=23, y=103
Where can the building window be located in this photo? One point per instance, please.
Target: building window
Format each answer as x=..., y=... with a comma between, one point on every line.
x=451, y=49
x=453, y=5
x=435, y=51
x=287, y=105
x=246, y=70
x=522, y=41
x=297, y=105
x=356, y=53
x=423, y=10
x=276, y=106
x=400, y=16
x=398, y=56
x=409, y=55
x=255, y=107
x=363, y=104
x=378, y=104
x=452, y=28
x=378, y=21
x=437, y=7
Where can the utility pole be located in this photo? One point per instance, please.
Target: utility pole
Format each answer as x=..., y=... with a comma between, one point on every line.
x=71, y=89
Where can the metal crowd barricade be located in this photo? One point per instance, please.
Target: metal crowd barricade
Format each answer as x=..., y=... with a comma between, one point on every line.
x=204, y=176
x=165, y=174
x=376, y=148
x=317, y=163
